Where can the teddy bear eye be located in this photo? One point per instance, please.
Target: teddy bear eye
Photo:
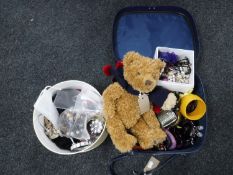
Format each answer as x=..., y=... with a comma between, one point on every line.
x=138, y=73
x=154, y=76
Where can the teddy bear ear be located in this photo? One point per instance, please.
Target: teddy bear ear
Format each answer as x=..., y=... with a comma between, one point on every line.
x=130, y=57
x=160, y=64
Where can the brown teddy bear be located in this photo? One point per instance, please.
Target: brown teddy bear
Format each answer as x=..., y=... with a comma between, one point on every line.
x=125, y=122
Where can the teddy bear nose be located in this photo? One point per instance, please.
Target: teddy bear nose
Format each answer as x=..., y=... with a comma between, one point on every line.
x=148, y=82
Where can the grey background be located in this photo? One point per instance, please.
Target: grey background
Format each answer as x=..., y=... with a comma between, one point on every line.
x=48, y=41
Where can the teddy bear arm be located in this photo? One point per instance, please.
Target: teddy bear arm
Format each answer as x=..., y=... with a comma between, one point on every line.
x=122, y=140
x=151, y=119
x=110, y=95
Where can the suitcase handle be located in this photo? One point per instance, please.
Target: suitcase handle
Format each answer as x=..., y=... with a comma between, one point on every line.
x=123, y=156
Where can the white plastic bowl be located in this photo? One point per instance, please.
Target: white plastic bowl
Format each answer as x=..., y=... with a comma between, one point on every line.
x=39, y=130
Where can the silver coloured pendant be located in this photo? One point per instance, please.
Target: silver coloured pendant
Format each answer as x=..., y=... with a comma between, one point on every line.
x=144, y=103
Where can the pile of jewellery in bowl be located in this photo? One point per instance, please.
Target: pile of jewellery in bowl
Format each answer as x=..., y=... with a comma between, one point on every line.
x=80, y=120
x=176, y=69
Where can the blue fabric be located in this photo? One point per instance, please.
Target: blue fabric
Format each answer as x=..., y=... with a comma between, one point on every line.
x=143, y=32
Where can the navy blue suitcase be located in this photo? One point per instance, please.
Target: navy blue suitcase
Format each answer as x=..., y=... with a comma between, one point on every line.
x=142, y=29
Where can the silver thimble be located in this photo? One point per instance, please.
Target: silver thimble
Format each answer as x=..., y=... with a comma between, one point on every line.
x=167, y=118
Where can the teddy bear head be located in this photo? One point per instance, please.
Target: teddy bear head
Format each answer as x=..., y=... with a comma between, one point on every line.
x=142, y=73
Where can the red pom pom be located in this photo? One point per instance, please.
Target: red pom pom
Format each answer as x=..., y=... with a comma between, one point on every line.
x=107, y=70
x=119, y=64
x=156, y=109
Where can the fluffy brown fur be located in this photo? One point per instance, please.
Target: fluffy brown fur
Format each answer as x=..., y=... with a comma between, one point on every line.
x=124, y=123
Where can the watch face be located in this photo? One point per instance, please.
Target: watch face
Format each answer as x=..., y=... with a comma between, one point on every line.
x=167, y=118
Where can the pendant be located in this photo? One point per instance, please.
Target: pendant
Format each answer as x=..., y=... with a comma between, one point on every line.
x=144, y=103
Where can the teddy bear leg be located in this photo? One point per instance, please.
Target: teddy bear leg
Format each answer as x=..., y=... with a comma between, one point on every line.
x=123, y=141
x=151, y=119
x=157, y=133
x=148, y=137
x=159, y=136
x=144, y=134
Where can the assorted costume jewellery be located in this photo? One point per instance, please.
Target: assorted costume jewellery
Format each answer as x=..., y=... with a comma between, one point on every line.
x=181, y=131
x=182, y=123
x=80, y=120
x=176, y=70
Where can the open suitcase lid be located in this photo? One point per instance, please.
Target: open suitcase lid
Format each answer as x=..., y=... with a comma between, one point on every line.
x=142, y=29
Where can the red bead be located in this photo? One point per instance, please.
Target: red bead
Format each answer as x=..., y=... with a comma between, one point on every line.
x=107, y=70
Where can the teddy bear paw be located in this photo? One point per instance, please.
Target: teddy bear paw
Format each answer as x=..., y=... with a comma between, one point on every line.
x=126, y=144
